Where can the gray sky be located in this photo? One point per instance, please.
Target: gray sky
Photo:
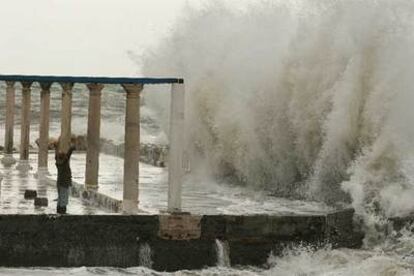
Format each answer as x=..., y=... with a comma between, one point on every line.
x=81, y=37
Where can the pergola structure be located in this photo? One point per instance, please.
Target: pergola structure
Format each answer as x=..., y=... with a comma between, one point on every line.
x=133, y=88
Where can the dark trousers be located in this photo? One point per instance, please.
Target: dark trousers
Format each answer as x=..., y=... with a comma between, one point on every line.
x=63, y=196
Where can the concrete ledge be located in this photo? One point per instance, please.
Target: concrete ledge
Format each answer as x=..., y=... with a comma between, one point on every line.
x=117, y=240
x=97, y=198
x=156, y=155
x=398, y=223
x=340, y=232
x=93, y=197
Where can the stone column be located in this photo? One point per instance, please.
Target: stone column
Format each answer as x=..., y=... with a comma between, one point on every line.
x=132, y=142
x=25, y=127
x=93, y=135
x=8, y=158
x=66, y=117
x=44, y=128
x=176, y=152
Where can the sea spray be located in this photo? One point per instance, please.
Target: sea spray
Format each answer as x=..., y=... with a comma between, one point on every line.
x=303, y=98
x=223, y=254
x=145, y=255
x=303, y=260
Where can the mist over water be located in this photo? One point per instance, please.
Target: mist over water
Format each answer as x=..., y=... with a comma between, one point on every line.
x=308, y=99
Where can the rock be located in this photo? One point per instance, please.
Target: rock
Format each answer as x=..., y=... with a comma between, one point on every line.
x=30, y=194
x=41, y=201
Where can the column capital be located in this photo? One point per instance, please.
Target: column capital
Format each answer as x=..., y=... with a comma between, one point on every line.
x=95, y=87
x=67, y=86
x=133, y=88
x=10, y=84
x=45, y=86
x=26, y=84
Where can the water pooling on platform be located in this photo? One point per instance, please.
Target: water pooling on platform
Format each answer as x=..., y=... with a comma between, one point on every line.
x=14, y=184
x=200, y=196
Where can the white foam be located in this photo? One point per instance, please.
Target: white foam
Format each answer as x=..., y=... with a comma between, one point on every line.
x=305, y=98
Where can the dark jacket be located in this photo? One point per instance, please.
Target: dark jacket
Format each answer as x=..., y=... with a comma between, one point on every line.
x=64, y=178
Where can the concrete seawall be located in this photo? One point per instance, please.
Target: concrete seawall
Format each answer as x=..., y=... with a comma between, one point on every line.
x=176, y=241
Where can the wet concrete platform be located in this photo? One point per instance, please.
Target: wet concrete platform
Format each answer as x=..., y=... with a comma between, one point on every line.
x=201, y=195
x=14, y=185
x=248, y=225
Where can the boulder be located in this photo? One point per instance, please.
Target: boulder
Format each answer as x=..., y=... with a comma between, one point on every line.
x=41, y=201
x=30, y=194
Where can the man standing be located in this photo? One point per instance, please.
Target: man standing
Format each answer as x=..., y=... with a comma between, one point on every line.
x=64, y=178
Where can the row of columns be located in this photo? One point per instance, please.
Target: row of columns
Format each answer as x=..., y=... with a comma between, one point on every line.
x=132, y=136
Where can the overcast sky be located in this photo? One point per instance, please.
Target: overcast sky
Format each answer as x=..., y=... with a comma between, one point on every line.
x=81, y=37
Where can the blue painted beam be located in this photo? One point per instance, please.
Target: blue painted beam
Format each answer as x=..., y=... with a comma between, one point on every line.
x=104, y=80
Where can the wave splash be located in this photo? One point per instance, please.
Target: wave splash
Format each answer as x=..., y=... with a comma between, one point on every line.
x=308, y=99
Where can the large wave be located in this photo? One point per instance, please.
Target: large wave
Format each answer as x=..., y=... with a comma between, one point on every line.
x=303, y=98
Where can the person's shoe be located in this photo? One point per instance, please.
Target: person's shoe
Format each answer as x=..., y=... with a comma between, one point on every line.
x=61, y=210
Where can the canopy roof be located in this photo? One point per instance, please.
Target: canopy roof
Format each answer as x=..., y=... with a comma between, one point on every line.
x=105, y=80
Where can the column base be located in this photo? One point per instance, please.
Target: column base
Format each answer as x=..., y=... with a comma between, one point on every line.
x=174, y=212
x=129, y=206
x=23, y=165
x=91, y=187
x=8, y=159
